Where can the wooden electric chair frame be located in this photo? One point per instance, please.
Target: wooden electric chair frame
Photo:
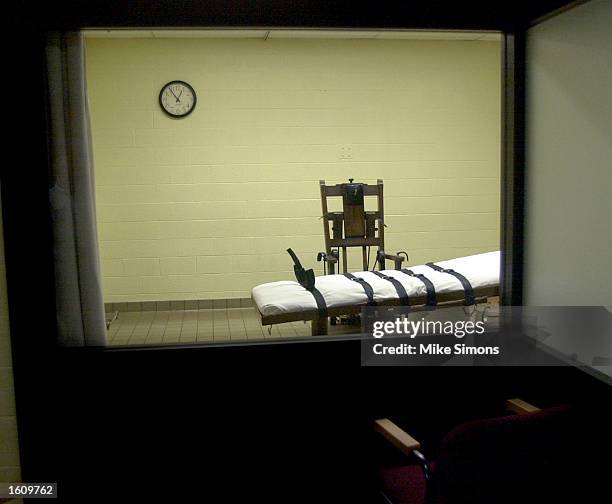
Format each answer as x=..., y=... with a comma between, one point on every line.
x=361, y=228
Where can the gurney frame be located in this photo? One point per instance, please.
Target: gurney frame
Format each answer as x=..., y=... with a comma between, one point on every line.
x=319, y=325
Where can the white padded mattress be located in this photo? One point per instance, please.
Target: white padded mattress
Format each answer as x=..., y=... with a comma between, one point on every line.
x=288, y=296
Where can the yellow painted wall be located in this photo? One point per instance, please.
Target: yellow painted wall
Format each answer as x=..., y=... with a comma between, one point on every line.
x=204, y=207
x=9, y=447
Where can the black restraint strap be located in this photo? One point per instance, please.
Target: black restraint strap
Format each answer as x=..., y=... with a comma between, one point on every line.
x=306, y=278
x=399, y=288
x=320, y=300
x=467, y=286
x=366, y=287
x=431, y=290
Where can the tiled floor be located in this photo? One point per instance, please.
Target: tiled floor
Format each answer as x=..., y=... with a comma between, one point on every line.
x=207, y=325
x=193, y=326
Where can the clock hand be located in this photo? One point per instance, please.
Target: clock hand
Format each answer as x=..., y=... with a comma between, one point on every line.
x=170, y=89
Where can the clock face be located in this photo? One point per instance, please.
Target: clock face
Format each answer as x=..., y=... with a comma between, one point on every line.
x=177, y=99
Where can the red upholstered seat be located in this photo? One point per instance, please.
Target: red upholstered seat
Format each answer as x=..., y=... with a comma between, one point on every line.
x=404, y=485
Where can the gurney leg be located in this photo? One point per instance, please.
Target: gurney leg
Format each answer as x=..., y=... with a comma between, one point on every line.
x=319, y=326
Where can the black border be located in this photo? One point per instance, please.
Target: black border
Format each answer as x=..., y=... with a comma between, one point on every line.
x=170, y=114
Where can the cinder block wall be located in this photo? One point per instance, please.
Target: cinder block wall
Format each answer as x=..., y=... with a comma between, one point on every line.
x=204, y=207
x=9, y=447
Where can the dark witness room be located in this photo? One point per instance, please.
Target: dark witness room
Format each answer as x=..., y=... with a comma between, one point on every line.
x=307, y=251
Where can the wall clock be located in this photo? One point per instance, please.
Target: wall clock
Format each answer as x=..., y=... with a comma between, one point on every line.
x=177, y=99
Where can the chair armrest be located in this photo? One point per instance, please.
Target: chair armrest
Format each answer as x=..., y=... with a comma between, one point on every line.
x=520, y=407
x=329, y=258
x=394, y=257
x=396, y=436
x=397, y=260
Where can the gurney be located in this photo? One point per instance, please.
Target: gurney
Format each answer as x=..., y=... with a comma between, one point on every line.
x=465, y=280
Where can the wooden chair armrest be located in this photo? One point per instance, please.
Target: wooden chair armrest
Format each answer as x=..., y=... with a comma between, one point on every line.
x=520, y=407
x=396, y=436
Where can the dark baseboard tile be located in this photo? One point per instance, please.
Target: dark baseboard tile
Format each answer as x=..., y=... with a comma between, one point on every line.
x=149, y=305
x=205, y=304
x=189, y=304
x=233, y=303
x=177, y=305
x=162, y=305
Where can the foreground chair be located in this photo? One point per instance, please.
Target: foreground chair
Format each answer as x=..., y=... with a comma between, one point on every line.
x=526, y=456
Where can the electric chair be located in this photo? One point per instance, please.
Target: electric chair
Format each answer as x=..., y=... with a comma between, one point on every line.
x=354, y=226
